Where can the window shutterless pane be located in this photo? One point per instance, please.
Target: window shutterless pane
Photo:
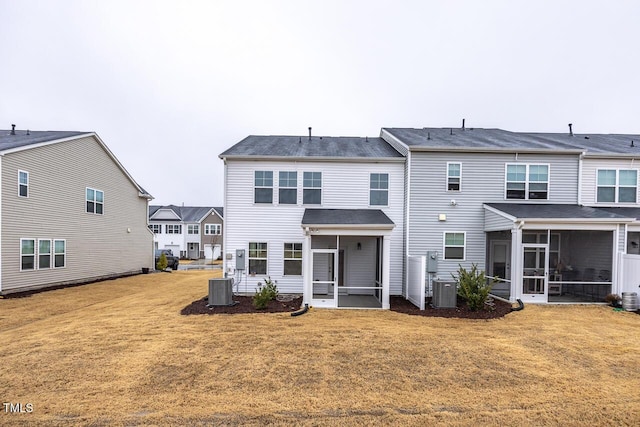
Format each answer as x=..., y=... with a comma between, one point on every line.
x=263, y=195
x=627, y=194
x=288, y=196
x=379, y=197
x=23, y=177
x=258, y=266
x=454, y=253
x=379, y=181
x=454, y=239
x=288, y=179
x=90, y=194
x=312, y=179
x=311, y=197
x=538, y=173
x=606, y=177
x=606, y=194
x=628, y=177
x=263, y=178
x=28, y=247
x=454, y=169
x=292, y=268
x=516, y=172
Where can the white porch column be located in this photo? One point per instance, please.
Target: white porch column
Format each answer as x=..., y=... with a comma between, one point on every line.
x=516, y=267
x=386, y=265
x=307, y=269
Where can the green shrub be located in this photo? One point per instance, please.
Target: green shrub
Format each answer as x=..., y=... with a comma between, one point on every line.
x=162, y=262
x=473, y=286
x=264, y=294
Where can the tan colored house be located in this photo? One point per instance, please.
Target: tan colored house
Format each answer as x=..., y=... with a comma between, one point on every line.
x=69, y=212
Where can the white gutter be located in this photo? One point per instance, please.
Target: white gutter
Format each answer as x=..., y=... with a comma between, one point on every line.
x=320, y=159
x=407, y=206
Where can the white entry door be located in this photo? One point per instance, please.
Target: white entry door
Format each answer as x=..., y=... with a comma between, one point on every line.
x=324, y=264
x=535, y=274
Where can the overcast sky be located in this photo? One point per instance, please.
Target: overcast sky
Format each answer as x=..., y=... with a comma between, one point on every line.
x=169, y=85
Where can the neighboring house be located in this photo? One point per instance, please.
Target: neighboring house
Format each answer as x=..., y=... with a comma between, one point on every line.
x=192, y=232
x=523, y=206
x=70, y=212
x=319, y=216
x=553, y=217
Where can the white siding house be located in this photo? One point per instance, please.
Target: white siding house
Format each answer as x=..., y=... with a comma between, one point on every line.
x=191, y=232
x=319, y=216
x=69, y=212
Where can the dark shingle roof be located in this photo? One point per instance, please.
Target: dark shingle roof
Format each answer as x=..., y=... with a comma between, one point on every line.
x=498, y=139
x=22, y=139
x=345, y=217
x=302, y=147
x=627, y=212
x=555, y=211
x=186, y=213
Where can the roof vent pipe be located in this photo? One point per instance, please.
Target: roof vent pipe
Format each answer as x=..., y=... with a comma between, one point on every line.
x=28, y=132
x=309, y=133
x=13, y=129
x=462, y=124
x=632, y=143
x=428, y=136
x=570, y=129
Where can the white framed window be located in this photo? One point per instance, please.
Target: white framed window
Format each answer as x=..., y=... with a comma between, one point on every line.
x=44, y=254
x=287, y=188
x=312, y=188
x=27, y=254
x=293, y=259
x=617, y=186
x=258, y=258
x=379, y=189
x=212, y=229
x=156, y=228
x=454, y=246
x=23, y=183
x=193, y=229
x=173, y=228
x=527, y=181
x=454, y=176
x=59, y=253
x=95, y=201
x=263, y=187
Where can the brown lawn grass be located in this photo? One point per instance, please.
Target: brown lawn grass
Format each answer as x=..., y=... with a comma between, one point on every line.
x=119, y=353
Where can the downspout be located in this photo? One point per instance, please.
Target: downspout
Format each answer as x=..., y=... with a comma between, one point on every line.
x=580, y=161
x=224, y=225
x=407, y=205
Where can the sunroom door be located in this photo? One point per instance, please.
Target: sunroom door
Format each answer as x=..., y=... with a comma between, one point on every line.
x=535, y=274
x=324, y=280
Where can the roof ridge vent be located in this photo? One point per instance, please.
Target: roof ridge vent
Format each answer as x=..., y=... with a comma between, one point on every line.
x=13, y=129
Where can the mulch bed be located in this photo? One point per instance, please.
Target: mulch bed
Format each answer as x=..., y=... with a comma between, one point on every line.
x=462, y=311
x=244, y=305
x=398, y=304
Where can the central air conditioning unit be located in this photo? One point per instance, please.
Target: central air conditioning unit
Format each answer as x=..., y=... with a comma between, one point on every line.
x=220, y=292
x=444, y=294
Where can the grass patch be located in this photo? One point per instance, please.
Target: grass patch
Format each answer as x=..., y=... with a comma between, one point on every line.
x=119, y=352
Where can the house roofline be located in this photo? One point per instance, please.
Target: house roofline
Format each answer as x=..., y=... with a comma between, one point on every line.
x=317, y=158
x=418, y=148
x=141, y=191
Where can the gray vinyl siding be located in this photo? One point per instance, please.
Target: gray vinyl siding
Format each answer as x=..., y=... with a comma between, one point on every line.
x=117, y=242
x=589, y=185
x=344, y=186
x=495, y=222
x=483, y=181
